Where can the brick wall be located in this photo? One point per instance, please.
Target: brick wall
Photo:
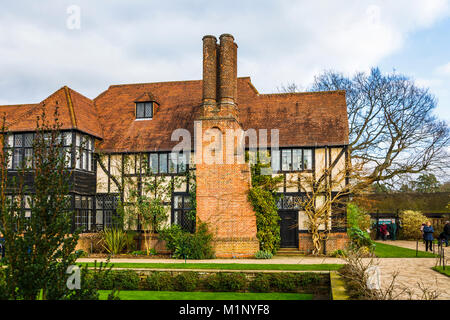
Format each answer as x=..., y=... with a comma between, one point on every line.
x=334, y=242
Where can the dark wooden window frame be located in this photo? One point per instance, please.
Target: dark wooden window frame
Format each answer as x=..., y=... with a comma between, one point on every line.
x=302, y=169
x=183, y=211
x=144, y=111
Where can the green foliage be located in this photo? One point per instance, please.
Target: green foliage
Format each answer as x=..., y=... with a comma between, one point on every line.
x=114, y=240
x=185, y=245
x=216, y=282
x=360, y=238
x=159, y=281
x=284, y=282
x=261, y=254
x=186, y=281
x=143, y=253
x=81, y=253
x=39, y=248
x=118, y=279
x=267, y=219
x=338, y=253
x=3, y=286
x=357, y=218
x=261, y=283
x=226, y=282
x=263, y=198
x=411, y=223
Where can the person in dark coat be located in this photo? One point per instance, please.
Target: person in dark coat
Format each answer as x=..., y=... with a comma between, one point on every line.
x=446, y=232
x=394, y=230
x=383, y=231
x=428, y=236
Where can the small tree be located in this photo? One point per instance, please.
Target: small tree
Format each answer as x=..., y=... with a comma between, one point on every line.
x=356, y=217
x=411, y=223
x=39, y=248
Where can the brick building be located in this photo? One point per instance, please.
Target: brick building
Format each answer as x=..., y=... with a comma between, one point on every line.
x=134, y=124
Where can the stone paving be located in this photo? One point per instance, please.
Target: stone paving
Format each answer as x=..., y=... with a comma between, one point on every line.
x=413, y=271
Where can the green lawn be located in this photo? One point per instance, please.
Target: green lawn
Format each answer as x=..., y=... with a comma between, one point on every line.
x=441, y=270
x=227, y=266
x=388, y=251
x=178, y=295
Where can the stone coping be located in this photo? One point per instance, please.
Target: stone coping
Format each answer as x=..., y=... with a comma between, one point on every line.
x=337, y=288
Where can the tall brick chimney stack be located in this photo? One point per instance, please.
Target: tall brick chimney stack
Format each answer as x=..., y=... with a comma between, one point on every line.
x=220, y=77
x=228, y=74
x=210, y=58
x=222, y=188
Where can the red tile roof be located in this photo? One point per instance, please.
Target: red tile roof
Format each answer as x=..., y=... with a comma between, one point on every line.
x=303, y=119
x=75, y=111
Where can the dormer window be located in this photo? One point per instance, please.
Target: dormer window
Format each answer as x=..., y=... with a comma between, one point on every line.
x=144, y=110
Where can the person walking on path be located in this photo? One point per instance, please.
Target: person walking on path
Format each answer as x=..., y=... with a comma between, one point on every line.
x=446, y=232
x=383, y=231
x=421, y=230
x=428, y=236
x=393, y=230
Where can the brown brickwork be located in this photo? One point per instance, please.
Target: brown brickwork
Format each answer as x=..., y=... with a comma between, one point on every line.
x=222, y=188
x=334, y=242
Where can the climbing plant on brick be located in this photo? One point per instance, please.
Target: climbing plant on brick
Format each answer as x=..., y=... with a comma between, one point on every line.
x=263, y=198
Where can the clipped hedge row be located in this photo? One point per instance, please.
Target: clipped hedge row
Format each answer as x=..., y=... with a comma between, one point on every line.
x=216, y=282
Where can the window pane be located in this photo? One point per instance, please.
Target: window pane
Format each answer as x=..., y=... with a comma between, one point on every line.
x=85, y=160
x=297, y=159
x=275, y=158
x=17, y=157
x=77, y=202
x=28, y=140
x=148, y=109
x=154, y=162
x=163, y=163
x=286, y=161
x=99, y=217
x=18, y=140
x=78, y=140
x=177, y=202
x=89, y=161
x=99, y=202
x=307, y=159
x=78, y=158
x=139, y=110
x=67, y=138
x=10, y=140
x=28, y=158
x=173, y=157
x=187, y=202
x=68, y=157
x=181, y=162
x=10, y=156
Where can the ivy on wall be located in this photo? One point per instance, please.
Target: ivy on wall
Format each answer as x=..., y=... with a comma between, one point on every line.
x=263, y=198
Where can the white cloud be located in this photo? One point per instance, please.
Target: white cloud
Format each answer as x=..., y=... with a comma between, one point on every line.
x=443, y=69
x=145, y=41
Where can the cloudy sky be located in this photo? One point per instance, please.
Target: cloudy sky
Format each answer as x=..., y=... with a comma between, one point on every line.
x=42, y=47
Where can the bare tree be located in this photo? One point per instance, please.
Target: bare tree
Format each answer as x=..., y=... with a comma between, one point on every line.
x=392, y=131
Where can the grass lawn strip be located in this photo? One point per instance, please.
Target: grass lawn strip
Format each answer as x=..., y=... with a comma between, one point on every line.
x=178, y=295
x=388, y=251
x=441, y=270
x=224, y=266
